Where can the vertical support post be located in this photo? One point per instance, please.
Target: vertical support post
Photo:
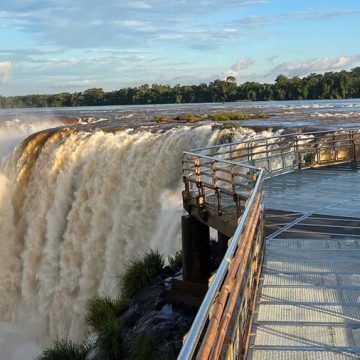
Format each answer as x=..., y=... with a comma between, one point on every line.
x=297, y=153
x=196, y=249
x=354, y=157
x=223, y=241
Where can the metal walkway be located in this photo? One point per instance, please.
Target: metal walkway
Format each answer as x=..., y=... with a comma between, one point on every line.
x=308, y=302
x=302, y=302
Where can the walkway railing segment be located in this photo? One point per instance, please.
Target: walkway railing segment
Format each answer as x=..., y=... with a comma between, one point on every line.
x=227, y=180
x=288, y=152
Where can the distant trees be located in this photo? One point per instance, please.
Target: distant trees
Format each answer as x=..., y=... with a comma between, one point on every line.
x=331, y=85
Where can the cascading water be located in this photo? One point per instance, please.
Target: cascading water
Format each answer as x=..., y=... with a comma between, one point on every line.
x=75, y=207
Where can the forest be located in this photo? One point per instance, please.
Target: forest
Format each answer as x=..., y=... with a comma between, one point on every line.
x=330, y=85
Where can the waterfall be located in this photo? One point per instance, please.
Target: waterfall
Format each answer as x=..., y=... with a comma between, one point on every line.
x=75, y=207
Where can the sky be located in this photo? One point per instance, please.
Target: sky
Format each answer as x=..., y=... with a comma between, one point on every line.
x=52, y=46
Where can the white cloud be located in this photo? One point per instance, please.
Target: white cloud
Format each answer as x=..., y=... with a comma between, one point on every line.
x=237, y=68
x=311, y=14
x=231, y=30
x=5, y=71
x=304, y=67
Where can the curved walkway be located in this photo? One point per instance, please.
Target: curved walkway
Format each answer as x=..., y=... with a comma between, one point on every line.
x=308, y=303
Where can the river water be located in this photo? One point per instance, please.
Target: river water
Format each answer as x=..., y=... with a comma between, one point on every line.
x=307, y=113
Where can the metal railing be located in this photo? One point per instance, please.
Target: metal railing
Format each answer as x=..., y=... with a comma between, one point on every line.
x=288, y=152
x=227, y=180
x=218, y=184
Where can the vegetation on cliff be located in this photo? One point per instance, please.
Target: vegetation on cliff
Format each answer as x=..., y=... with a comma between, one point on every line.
x=221, y=116
x=330, y=85
x=138, y=323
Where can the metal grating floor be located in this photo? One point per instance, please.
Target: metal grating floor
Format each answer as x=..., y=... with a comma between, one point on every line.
x=308, y=306
x=301, y=355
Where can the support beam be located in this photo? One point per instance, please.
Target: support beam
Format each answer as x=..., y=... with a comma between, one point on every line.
x=223, y=241
x=196, y=250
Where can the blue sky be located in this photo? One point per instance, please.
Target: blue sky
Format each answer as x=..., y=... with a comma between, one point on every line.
x=49, y=46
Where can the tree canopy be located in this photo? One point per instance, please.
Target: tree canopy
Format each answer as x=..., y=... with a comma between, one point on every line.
x=330, y=85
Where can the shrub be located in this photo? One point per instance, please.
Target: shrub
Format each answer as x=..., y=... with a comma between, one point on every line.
x=175, y=260
x=143, y=348
x=139, y=273
x=101, y=309
x=222, y=116
x=190, y=118
x=226, y=125
x=109, y=344
x=162, y=118
x=228, y=116
x=64, y=350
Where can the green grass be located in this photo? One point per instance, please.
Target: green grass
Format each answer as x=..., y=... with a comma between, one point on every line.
x=139, y=273
x=222, y=116
x=102, y=316
x=230, y=116
x=143, y=348
x=175, y=260
x=162, y=118
x=100, y=309
x=189, y=118
x=226, y=125
x=109, y=344
x=64, y=350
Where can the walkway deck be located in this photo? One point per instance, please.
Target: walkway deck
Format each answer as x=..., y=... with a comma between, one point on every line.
x=308, y=305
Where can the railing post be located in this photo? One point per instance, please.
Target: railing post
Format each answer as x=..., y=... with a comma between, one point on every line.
x=297, y=153
x=282, y=159
x=317, y=152
x=197, y=170
x=354, y=157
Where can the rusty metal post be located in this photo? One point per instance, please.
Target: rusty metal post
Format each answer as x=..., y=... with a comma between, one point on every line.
x=353, y=164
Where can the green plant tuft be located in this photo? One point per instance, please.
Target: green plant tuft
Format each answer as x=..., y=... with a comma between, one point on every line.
x=109, y=344
x=222, y=116
x=162, y=118
x=189, y=117
x=230, y=116
x=143, y=348
x=101, y=309
x=64, y=350
x=175, y=260
x=139, y=273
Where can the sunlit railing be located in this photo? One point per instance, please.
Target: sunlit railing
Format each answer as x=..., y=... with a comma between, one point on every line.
x=288, y=152
x=220, y=185
x=226, y=180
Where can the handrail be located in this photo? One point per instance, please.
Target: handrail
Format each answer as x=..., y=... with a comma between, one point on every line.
x=212, y=158
x=195, y=332
x=301, y=155
x=330, y=131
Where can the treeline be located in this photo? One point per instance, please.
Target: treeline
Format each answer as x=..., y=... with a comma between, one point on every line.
x=331, y=85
